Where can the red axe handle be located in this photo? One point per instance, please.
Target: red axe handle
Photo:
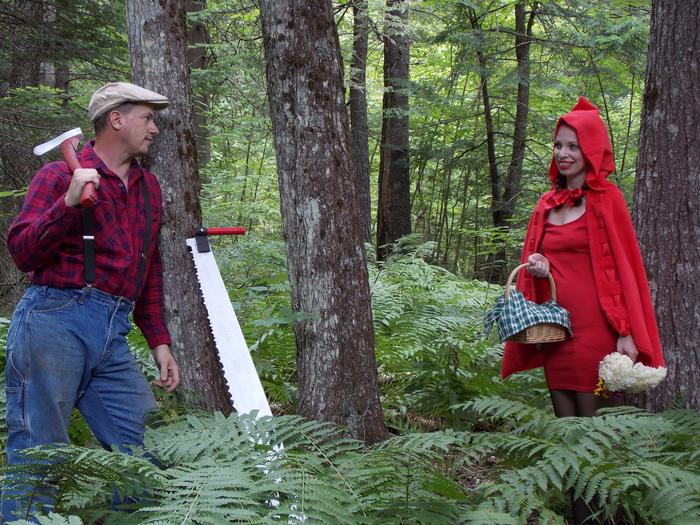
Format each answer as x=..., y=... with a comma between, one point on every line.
x=69, y=148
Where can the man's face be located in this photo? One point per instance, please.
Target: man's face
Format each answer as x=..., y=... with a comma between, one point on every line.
x=139, y=129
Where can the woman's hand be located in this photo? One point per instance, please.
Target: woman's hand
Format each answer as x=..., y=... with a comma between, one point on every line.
x=538, y=265
x=626, y=346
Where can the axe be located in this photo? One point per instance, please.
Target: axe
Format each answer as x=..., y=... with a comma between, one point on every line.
x=68, y=142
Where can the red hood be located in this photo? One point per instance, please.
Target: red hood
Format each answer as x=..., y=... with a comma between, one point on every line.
x=593, y=140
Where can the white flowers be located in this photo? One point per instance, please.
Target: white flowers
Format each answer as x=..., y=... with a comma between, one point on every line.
x=620, y=374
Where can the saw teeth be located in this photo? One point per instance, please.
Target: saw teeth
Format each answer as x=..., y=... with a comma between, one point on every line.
x=240, y=374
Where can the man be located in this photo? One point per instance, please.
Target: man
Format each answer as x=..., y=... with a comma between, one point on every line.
x=66, y=345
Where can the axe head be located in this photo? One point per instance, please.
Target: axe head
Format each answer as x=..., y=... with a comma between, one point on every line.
x=57, y=141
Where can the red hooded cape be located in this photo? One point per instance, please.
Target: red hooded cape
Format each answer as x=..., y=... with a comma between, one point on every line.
x=620, y=278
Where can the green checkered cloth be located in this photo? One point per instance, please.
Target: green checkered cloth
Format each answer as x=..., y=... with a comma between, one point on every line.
x=517, y=313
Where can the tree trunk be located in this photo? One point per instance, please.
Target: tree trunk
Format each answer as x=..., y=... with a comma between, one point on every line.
x=523, y=34
x=157, y=43
x=667, y=205
x=503, y=201
x=494, y=265
x=394, y=206
x=358, y=114
x=197, y=38
x=336, y=364
x=16, y=165
x=27, y=52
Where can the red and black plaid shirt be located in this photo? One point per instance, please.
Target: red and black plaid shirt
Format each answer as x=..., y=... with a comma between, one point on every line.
x=46, y=238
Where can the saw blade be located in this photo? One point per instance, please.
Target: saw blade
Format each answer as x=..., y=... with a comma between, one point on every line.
x=244, y=384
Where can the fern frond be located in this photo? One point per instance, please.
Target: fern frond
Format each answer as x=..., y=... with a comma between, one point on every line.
x=499, y=407
x=52, y=519
x=490, y=516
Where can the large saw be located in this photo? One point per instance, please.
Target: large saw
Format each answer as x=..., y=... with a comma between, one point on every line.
x=244, y=384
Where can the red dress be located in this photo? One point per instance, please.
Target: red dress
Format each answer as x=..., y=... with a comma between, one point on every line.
x=572, y=364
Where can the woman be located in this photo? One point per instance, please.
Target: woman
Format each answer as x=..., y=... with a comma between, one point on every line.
x=581, y=231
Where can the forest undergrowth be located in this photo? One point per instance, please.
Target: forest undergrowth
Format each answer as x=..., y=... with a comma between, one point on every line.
x=466, y=447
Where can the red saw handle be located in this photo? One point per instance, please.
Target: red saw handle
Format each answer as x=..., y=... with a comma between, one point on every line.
x=202, y=236
x=233, y=230
x=69, y=148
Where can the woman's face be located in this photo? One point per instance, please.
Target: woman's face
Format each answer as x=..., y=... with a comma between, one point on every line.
x=568, y=155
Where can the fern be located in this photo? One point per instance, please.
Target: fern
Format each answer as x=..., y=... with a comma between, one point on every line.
x=429, y=345
x=217, y=469
x=225, y=470
x=52, y=519
x=622, y=456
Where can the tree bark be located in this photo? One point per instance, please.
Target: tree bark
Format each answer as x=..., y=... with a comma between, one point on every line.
x=505, y=192
x=394, y=206
x=336, y=364
x=197, y=38
x=523, y=36
x=157, y=44
x=358, y=114
x=16, y=165
x=667, y=205
x=27, y=52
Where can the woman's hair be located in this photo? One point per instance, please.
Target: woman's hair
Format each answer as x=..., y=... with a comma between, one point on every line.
x=561, y=182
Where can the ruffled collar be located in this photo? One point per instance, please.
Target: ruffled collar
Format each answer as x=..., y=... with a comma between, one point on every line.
x=564, y=197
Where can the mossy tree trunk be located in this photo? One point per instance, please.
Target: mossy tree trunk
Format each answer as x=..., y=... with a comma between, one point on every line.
x=157, y=46
x=358, y=114
x=394, y=206
x=667, y=205
x=336, y=363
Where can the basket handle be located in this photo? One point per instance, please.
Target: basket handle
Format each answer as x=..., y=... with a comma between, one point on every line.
x=520, y=267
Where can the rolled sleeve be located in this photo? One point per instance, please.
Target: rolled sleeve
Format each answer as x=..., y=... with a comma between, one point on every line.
x=40, y=227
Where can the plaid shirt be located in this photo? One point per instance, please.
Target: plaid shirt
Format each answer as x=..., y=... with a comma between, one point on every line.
x=517, y=313
x=46, y=238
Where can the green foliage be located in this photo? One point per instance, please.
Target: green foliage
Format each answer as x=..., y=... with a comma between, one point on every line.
x=255, y=271
x=430, y=346
x=623, y=456
x=53, y=519
x=213, y=469
x=430, y=339
x=224, y=470
x=428, y=334
x=221, y=470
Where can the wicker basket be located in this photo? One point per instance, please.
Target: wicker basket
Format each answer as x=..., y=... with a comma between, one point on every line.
x=539, y=333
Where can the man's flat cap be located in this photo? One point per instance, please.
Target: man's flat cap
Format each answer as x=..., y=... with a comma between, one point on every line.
x=112, y=95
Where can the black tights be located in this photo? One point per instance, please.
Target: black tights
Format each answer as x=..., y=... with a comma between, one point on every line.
x=568, y=403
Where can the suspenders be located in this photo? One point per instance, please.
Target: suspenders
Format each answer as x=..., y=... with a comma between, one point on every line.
x=89, y=240
x=89, y=245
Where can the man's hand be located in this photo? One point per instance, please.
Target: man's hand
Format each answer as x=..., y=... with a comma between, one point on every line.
x=538, y=265
x=626, y=346
x=80, y=177
x=169, y=371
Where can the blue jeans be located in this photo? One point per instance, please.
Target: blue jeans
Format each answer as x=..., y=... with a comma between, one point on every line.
x=67, y=348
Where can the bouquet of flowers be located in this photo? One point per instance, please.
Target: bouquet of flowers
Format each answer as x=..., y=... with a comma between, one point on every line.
x=618, y=373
